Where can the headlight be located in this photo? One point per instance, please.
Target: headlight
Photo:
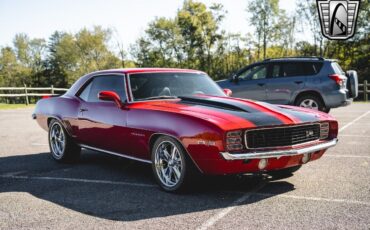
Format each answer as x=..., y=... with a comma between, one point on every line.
x=324, y=130
x=234, y=140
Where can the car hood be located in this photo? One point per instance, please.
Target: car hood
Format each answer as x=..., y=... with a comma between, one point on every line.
x=234, y=113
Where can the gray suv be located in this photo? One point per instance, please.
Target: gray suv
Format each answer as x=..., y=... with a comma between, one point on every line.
x=311, y=82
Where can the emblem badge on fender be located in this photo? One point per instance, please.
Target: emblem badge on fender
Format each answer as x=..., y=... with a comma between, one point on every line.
x=338, y=18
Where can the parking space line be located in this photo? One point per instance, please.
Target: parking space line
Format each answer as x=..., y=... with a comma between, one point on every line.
x=313, y=198
x=351, y=123
x=219, y=215
x=77, y=180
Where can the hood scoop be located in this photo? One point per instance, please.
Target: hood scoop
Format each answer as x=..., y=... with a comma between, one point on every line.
x=210, y=103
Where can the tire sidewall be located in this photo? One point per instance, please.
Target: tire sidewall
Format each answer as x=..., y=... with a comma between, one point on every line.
x=184, y=168
x=57, y=158
x=320, y=104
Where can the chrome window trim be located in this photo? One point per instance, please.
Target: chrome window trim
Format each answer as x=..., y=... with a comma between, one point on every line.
x=280, y=127
x=91, y=78
x=279, y=153
x=151, y=72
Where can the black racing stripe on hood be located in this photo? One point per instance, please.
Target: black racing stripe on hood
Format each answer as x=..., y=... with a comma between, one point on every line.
x=234, y=108
x=257, y=118
x=210, y=103
x=301, y=115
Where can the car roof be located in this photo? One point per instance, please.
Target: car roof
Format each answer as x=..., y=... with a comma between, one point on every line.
x=148, y=70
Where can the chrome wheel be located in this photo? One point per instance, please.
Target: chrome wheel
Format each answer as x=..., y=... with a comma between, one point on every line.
x=57, y=140
x=168, y=163
x=309, y=103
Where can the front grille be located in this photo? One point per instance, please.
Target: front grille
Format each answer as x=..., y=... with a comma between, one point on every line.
x=282, y=136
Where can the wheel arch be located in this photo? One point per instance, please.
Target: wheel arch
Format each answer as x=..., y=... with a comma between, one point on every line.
x=66, y=127
x=155, y=136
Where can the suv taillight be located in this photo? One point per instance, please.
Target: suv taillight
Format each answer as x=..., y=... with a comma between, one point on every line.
x=338, y=79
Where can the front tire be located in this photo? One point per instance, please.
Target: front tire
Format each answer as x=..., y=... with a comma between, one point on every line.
x=284, y=173
x=62, y=147
x=171, y=165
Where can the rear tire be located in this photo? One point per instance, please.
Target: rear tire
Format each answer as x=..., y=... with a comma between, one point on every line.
x=172, y=167
x=62, y=147
x=311, y=101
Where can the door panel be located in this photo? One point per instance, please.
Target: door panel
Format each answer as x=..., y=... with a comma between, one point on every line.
x=252, y=83
x=103, y=125
x=285, y=79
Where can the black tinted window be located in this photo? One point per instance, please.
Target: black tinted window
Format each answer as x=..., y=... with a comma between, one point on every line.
x=113, y=83
x=276, y=70
x=292, y=69
x=312, y=68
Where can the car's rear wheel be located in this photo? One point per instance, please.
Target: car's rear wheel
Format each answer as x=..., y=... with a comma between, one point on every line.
x=311, y=102
x=62, y=147
x=171, y=165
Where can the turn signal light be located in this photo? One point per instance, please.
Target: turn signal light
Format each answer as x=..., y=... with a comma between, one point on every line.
x=324, y=130
x=333, y=133
x=234, y=140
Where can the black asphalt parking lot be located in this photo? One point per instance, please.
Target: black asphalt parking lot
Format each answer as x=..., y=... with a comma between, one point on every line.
x=106, y=192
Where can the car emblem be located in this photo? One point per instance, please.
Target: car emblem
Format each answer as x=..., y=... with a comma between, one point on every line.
x=338, y=18
x=309, y=133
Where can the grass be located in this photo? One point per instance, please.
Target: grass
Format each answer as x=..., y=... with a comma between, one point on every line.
x=15, y=106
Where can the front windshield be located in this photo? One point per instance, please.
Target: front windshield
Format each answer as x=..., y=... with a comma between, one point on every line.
x=148, y=86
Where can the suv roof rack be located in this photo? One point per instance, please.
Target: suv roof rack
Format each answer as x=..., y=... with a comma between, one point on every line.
x=297, y=57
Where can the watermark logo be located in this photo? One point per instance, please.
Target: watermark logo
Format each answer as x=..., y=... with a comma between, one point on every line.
x=338, y=18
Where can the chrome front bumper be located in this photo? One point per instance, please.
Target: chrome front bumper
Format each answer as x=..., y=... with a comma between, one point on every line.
x=278, y=153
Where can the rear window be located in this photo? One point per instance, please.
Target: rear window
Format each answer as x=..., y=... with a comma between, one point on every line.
x=337, y=69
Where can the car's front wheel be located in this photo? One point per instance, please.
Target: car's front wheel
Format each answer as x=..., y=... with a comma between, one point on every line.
x=171, y=165
x=62, y=147
x=284, y=173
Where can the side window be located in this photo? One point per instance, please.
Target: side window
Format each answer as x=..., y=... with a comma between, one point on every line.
x=113, y=83
x=292, y=69
x=84, y=95
x=254, y=73
x=312, y=68
x=275, y=71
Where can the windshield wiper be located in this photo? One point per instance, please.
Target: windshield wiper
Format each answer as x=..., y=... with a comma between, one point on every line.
x=157, y=97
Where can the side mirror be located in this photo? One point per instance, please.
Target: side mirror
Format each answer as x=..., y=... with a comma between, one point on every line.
x=228, y=92
x=234, y=79
x=110, y=96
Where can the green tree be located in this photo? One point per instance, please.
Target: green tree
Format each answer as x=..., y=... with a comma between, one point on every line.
x=263, y=16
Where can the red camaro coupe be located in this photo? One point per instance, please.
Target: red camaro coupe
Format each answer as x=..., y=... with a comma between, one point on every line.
x=182, y=123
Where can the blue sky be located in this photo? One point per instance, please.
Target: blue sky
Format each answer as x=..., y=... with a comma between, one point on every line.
x=40, y=18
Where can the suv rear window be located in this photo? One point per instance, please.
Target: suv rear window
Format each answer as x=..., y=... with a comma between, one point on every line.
x=337, y=69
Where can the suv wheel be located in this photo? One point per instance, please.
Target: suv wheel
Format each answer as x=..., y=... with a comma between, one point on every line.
x=311, y=102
